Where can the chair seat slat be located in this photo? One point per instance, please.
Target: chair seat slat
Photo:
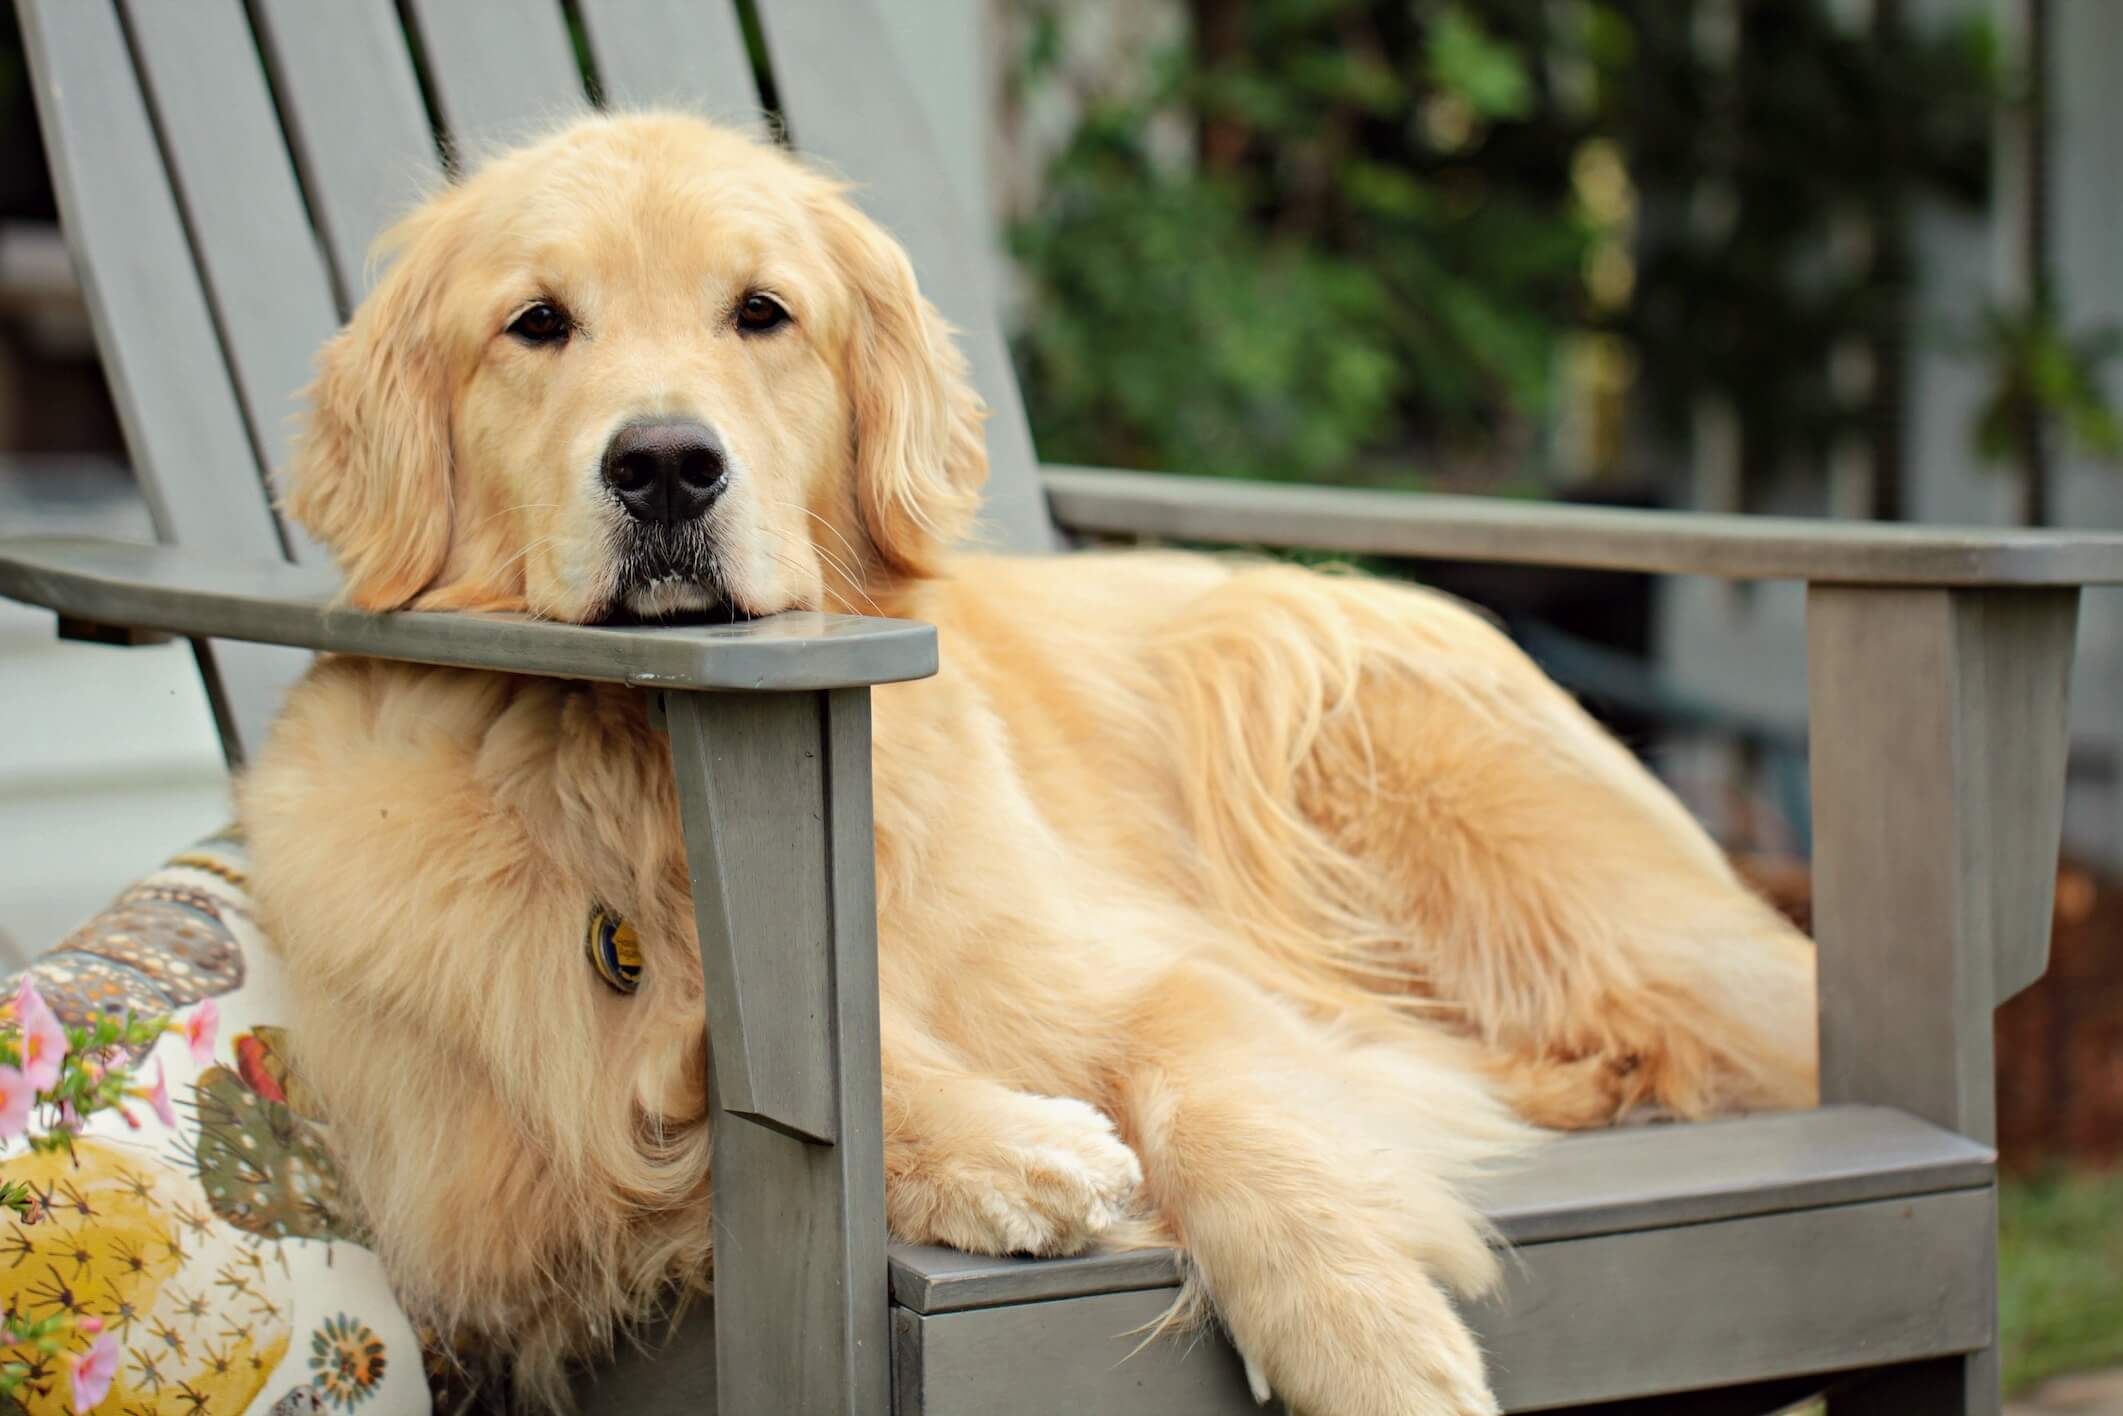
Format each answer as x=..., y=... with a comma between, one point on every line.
x=1591, y=1183
x=264, y=273
x=184, y=428
x=355, y=122
x=673, y=53
x=498, y=69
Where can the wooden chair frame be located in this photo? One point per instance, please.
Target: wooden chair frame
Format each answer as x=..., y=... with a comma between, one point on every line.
x=221, y=168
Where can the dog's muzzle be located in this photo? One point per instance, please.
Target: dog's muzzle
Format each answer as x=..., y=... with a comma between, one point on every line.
x=667, y=475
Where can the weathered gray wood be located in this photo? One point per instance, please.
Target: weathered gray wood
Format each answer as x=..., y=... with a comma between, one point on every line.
x=271, y=602
x=1718, y=1304
x=355, y=122
x=1939, y=733
x=928, y=1278
x=1578, y=1321
x=116, y=635
x=1969, y=1384
x=1064, y=1358
x=1942, y=1386
x=680, y=53
x=765, y=904
x=776, y=798
x=499, y=70
x=1226, y=511
x=265, y=275
x=1906, y=977
x=1577, y=1186
x=2019, y=651
x=154, y=327
x=847, y=101
x=183, y=426
x=1617, y=1181
x=1938, y=722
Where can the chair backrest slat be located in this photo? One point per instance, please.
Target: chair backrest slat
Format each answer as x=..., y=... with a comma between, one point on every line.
x=846, y=102
x=682, y=53
x=183, y=425
x=264, y=273
x=498, y=69
x=220, y=210
x=355, y=120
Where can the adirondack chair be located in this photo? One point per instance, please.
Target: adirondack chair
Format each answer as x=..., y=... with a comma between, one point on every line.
x=221, y=169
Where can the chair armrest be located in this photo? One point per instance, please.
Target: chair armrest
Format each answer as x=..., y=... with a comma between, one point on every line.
x=167, y=588
x=1230, y=511
x=774, y=795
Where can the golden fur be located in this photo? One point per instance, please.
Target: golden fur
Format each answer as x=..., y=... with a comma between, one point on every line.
x=1255, y=907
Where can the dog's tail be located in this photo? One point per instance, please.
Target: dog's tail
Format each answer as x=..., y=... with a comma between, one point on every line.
x=1384, y=787
x=1255, y=673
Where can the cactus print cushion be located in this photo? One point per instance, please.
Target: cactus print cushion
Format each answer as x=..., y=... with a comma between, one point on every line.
x=222, y=1252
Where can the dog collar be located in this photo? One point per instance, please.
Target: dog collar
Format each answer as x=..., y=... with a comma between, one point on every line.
x=613, y=950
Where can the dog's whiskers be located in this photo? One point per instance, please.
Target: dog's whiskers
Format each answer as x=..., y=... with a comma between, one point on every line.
x=854, y=582
x=781, y=557
x=788, y=563
x=535, y=545
x=504, y=511
x=846, y=570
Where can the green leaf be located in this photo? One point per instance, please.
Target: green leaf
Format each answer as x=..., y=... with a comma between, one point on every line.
x=1488, y=74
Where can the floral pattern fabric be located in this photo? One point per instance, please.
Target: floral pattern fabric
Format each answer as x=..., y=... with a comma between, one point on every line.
x=221, y=1250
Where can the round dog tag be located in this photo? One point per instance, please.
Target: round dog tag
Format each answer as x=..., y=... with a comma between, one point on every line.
x=614, y=950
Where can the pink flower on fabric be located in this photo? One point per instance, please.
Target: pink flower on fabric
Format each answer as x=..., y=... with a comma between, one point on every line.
x=199, y=1030
x=93, y=1371
x=16, y=1098
x=159, y=1098
x=89, y=1323
x=43, y=1040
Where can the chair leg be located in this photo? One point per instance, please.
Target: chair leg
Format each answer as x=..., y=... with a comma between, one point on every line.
x=1943, y=1386
x=1940, y=733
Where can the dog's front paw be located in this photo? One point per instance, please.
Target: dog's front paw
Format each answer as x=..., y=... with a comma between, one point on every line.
x=1041, y=1175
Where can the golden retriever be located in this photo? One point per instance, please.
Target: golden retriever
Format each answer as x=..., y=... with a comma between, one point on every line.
x=1250, y=906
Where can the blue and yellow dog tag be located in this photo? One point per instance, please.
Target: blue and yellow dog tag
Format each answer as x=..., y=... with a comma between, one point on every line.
x=614, y=950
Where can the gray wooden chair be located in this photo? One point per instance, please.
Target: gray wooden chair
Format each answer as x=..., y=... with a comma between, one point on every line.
x=221, y=168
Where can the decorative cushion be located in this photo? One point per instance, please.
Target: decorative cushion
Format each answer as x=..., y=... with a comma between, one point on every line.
x=223, y=1253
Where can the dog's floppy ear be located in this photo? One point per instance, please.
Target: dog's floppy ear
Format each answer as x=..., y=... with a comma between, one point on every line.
x=920, y=456
x=370, y=476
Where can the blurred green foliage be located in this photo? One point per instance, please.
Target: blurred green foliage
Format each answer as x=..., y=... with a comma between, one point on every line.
x=2038, y=368
x=2060, y=1261
x=1327, y=279
x=1377, y=233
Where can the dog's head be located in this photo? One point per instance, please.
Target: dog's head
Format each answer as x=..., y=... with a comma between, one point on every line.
x=644, y=367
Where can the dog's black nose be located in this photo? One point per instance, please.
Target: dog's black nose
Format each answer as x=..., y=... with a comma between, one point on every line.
x=665, y=470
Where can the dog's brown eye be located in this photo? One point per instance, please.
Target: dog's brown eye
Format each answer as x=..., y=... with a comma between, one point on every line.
x=759, y=313
x=541, y=324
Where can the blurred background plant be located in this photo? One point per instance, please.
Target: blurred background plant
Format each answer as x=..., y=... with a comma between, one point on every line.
x=1376, y=250
x=1504, y=246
